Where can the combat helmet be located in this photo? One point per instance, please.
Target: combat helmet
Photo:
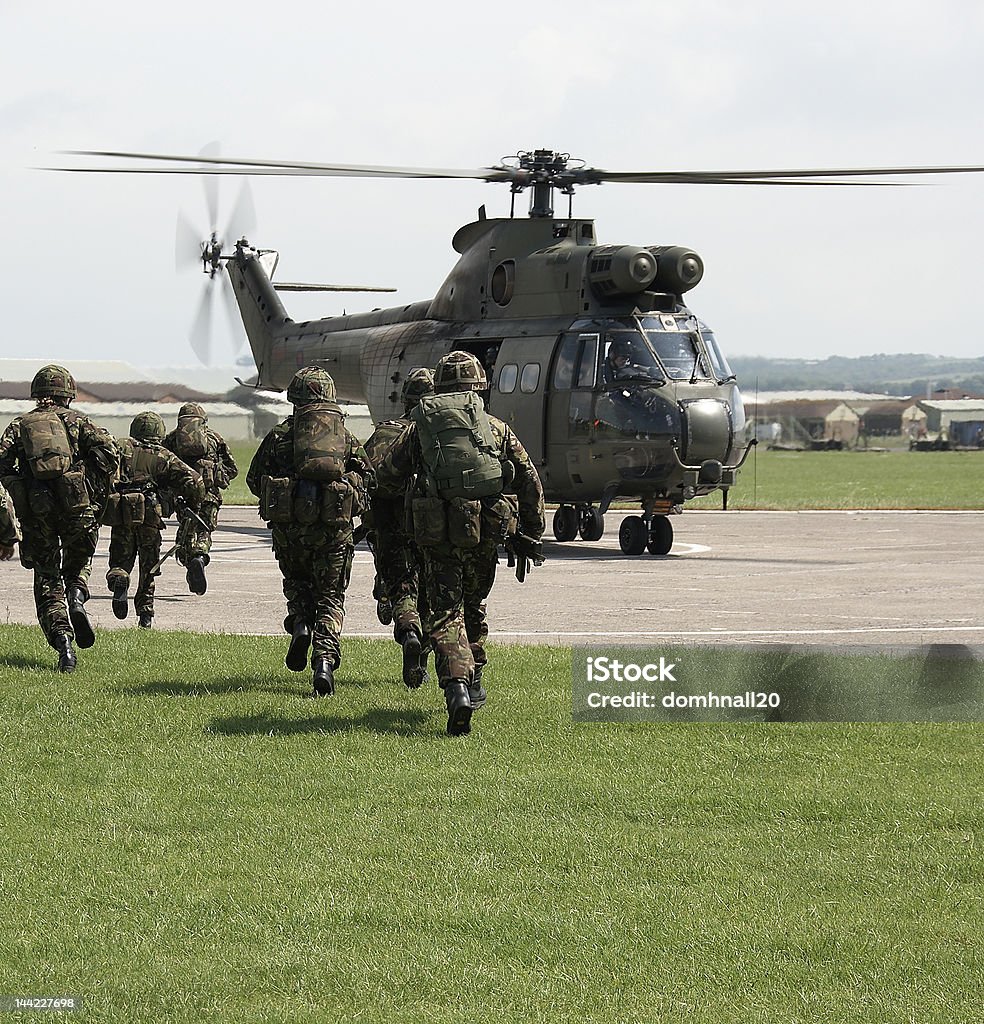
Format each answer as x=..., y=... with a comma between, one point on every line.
x=147, y=426
x=53, y=381
x=310, y=384
x=459, y=371
x=419, y=382
x=193, y=409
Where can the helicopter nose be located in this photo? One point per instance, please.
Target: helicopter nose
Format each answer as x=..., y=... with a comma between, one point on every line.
x=708, y=431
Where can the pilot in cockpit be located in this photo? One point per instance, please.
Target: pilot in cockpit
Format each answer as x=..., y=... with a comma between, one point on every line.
x=626, y=361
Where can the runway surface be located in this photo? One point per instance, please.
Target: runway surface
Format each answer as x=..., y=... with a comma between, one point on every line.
x=847, y=578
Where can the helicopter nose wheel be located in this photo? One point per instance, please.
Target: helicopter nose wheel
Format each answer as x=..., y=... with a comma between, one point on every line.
x=639, y=533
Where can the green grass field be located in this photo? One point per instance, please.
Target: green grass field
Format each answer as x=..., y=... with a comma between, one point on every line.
x=797, y=480
x=187, y=838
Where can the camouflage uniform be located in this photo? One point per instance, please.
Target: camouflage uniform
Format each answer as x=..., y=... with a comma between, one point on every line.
x=58, y=544
x=8, y=528
x=217, y=469
x=315, y=559
x=458, y=580
x=158, y=470
x=397, y=586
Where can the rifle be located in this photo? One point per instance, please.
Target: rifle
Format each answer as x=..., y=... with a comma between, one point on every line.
x=185, y=511
x=521, y=551
x=167, y=554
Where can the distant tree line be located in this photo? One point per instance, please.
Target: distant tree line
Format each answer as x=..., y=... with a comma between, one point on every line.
x=904, y=375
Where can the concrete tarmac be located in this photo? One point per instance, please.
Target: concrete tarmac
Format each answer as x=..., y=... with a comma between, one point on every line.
x=845, y=578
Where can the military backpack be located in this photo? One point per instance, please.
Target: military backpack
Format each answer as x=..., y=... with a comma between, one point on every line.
x=459, y=450
x=320, y=442
x=191, y=438
x=47, y=446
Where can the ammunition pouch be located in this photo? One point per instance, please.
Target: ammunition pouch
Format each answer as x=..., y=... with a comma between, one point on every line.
x=430, y=522
x=500, y=516
x=464, y=522
x=72, y=490
x=128, y=509
x=277, y=499
x=338, y=503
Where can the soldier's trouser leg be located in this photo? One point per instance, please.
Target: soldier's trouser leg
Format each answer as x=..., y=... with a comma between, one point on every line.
x=479, y=566
x=445, y=614
x=331, y=570
x=122, y=555
x=194, y=540
x=149, y=551
x=78, y=540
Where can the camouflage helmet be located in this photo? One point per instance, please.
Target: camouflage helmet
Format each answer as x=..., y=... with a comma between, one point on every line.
x=459, y=371
x=311, y=384
x=147, y=426
x=419, y=382
x=53, y=381
x=192, y=409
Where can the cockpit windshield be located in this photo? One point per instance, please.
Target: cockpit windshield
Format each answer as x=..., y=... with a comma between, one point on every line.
x=655, y=349
x=628, y=357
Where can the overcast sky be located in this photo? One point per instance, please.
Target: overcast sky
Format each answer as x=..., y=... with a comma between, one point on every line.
x=89, y=261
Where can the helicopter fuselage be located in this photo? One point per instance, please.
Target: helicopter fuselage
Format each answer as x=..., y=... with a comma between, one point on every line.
x=551, y=315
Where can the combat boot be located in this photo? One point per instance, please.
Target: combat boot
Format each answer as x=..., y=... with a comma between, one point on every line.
x=459, y=707
x=476, y=692
x=66, y=656
x=384, y=611
x=195, y=575
x=324, y=677
x=297, y=652
x=120, y=590
x=146, y=620
x=414, y=666
x=84, y=635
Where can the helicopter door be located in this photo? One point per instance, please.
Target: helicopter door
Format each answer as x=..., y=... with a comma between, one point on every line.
x=570, y=398
x=518, y=390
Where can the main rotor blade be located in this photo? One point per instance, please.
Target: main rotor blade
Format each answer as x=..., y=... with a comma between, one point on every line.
x=519, y=175
x=226, y=165
x=297, y=286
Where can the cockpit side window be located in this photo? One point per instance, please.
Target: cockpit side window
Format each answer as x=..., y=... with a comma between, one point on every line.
x=589, y=361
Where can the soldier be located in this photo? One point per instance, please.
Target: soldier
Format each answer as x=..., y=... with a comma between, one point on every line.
x=8, y=528
x=458, y=462
x=397, y=586
x=148, y=471
x=59, y=468
x=205, y=451
x=312, y=476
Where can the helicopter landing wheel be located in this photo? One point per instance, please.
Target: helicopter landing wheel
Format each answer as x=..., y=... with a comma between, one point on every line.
x=660, y=536
x=633, y=535
x=565, y=523
x=592, y=524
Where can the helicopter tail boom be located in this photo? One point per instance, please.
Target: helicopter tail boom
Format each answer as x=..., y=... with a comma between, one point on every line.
x=262, y=311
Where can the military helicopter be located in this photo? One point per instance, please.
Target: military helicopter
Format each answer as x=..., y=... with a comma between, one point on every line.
x=614, y=385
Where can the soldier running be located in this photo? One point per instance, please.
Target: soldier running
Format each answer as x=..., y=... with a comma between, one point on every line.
x=59, y=468
x=206, y=452
x=469, y=479
x=397, y=586
x=148, y=473
x=312, y=476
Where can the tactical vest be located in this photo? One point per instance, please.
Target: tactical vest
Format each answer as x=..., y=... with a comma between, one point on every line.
x=459, y=450
x=320, y=443
x=47, y=446
x=191, y=438
x=143, y=465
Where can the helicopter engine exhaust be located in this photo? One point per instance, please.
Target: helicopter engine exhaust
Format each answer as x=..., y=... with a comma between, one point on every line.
x=678, y=268
x=621, y=270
